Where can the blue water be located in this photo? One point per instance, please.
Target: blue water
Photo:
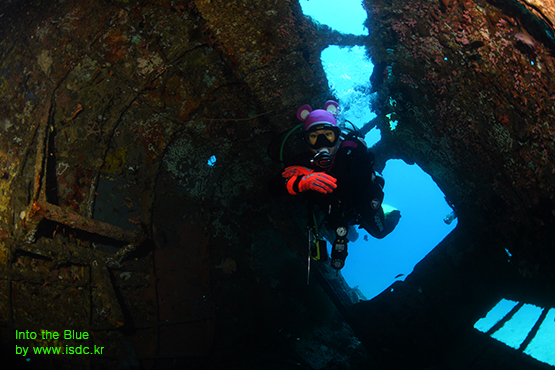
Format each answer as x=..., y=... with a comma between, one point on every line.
x=346, y=16
x=517, y=328
x=373, y=265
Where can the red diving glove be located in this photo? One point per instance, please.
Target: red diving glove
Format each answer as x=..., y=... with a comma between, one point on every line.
x=296, y=171
x=302, y=178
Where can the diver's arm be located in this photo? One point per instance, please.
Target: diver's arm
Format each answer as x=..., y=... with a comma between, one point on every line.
x=277, y=185
x=299, y=179
x=353, y=174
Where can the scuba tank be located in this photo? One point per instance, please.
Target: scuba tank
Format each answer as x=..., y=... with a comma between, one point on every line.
x=354, y=134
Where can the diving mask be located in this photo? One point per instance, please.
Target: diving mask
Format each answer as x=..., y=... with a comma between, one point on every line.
x=323, y=140
x=322, y=136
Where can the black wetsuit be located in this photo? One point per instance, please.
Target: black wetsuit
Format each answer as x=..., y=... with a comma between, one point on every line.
x=358, y=196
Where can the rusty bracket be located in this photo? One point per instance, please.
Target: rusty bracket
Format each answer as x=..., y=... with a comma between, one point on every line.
x=40, y=209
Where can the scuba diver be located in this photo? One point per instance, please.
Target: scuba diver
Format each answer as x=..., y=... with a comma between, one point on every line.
x=336, y=174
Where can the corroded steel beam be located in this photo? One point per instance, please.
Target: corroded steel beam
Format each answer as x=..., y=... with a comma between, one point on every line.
x=40, y=209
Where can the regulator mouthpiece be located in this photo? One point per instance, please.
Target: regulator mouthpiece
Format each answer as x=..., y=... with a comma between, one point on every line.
x=322, y=159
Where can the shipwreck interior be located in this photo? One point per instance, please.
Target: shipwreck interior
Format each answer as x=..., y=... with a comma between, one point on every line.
x=136, y=230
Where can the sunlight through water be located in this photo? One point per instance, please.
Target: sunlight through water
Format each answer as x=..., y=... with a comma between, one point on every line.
x=348, y=70
x=514, y=332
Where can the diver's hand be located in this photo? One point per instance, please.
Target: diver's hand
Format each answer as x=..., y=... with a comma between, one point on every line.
x=295, y=171
x=320, y=182
x=317, y=181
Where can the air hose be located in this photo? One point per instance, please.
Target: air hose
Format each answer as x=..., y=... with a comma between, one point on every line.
x=285, y=139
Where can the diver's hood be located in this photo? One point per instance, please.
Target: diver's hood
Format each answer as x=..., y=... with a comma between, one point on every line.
x=323, y=149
